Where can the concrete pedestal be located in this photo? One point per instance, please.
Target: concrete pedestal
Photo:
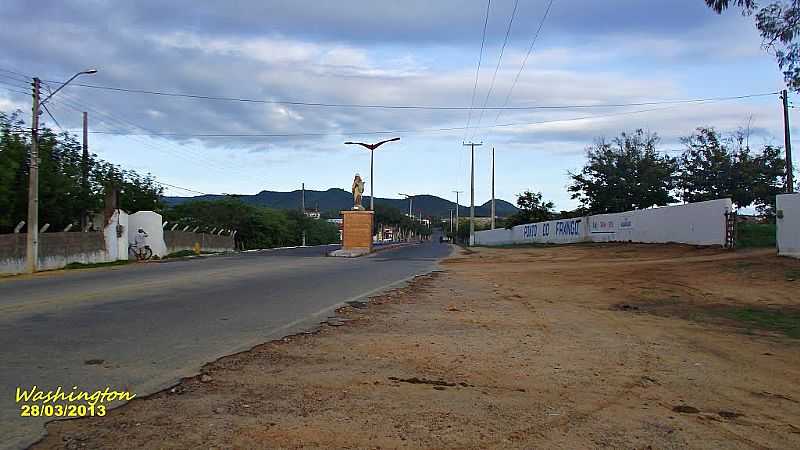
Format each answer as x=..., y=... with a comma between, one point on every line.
x=356, y=233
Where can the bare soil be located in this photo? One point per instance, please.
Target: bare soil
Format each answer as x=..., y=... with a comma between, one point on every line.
x=587, y=346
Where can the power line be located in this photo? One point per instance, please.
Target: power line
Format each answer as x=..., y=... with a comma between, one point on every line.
x=66, y=100
x=412, y=107
x=499, y=61
x=400, y=131
x=181, y=188
x=480, y=57
x=428, y=107
x=525, y=60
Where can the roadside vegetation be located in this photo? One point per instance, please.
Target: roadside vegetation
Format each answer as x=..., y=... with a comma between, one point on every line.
x=62, y=194
x=256, y=226
x=755, y=235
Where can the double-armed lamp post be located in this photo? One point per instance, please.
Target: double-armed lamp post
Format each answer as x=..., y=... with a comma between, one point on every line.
x=32, y=239
x=371, y=148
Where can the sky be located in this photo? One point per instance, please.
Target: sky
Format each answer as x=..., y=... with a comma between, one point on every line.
x=396, y=53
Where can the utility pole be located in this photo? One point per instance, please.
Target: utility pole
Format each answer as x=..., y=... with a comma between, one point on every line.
x=472, y=146
x=451, y=222
x=303, y=206
x=493, y=214
x=32, y=239
x=458, y=206
x=85, y=170
x=787, y=138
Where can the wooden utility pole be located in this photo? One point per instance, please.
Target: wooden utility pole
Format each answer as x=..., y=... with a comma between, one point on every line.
x=493, y=213
x=32, y=239
x=472, y=146
x=787, y=139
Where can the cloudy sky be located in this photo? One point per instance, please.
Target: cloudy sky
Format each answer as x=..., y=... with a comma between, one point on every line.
x=359, y=52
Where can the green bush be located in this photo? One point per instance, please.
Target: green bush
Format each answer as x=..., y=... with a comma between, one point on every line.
x=755, y=235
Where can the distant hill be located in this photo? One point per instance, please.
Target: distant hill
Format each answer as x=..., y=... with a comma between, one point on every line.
x=336, y=199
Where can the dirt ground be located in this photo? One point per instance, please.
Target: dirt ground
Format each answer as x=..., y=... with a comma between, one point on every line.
x=586, y=346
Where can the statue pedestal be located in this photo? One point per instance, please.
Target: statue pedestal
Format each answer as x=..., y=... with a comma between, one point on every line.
x=356, y=233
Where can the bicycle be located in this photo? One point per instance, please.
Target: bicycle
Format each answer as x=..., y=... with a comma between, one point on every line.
x=141, y=254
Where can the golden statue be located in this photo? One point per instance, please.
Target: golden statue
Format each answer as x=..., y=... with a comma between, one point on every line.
x=358, y=191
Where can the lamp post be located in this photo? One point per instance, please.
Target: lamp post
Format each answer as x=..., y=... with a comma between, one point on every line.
x=410, y=198
x=371, y=148
x=32, y=238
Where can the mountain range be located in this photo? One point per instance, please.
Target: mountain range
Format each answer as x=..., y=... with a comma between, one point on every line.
x=335, y=199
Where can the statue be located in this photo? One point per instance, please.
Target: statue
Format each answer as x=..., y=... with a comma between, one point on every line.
x=358, y=190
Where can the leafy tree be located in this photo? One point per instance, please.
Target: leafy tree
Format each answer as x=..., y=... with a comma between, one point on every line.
x=712, y=167
x=779, y=25
x=532, y=208
x=768, y=180
x=393, y=217
x=256, y=226
x=62, y=197
x=624, y=174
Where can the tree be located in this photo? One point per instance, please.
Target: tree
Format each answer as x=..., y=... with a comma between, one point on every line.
x=624, y=174
x=61, y=195
x=768, y=180
x=256, y=226
x=779, y=25
x=712, y=168
x=532, y=209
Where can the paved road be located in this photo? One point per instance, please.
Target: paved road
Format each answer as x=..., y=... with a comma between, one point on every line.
x=154, y=323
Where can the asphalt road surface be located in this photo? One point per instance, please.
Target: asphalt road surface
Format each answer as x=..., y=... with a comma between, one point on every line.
x=152, y=324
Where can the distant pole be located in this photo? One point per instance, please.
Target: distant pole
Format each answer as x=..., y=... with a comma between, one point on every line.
x=787, y=138
x=472, y=146
x=32, y=239
x=458, y=206
x=303, y=206
x=493, y=214
x=451, y=222
x=85, y=169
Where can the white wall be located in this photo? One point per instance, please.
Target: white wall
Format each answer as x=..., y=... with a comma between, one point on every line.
x=553, y=232
x=700, y=223
x=788, y=206
x=151, y=223
x=500, y=236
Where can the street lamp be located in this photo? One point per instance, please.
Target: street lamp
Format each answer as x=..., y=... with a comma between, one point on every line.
x=32, y=238
x=410, y=198
x=85, y=72
x=371, y=148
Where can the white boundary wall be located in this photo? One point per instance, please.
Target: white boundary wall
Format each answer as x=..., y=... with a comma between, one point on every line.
x=788, y=224
x=700, y=223
x=552, y=232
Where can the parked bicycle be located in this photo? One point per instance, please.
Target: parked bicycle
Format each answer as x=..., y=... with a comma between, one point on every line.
x=140, y=253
